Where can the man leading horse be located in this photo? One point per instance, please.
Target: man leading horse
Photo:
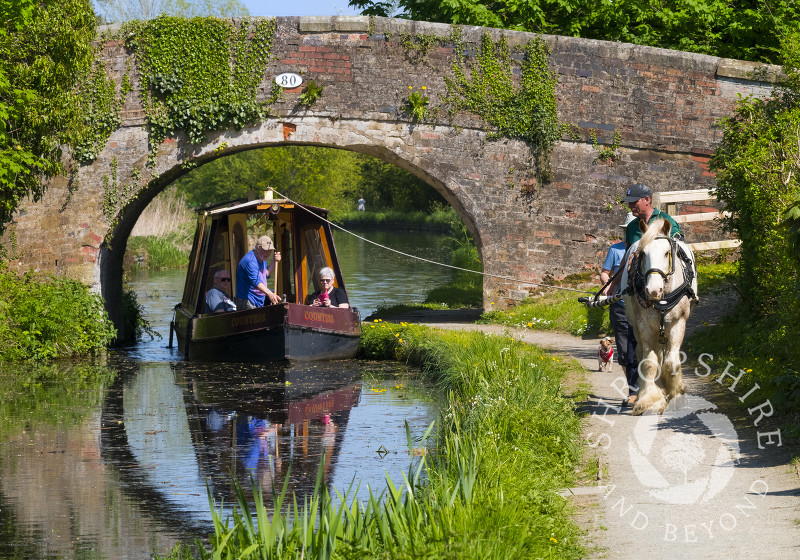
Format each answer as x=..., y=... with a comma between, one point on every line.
x=658, y=281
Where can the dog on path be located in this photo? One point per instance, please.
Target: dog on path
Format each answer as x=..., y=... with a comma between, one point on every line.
x=605, y=354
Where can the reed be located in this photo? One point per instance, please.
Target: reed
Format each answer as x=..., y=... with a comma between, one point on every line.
x=506, y=442
x=168, y=213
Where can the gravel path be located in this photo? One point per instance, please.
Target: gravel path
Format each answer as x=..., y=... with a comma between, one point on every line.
x=692, y=483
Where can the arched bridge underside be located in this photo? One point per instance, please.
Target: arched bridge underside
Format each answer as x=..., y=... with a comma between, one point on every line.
x=663, y=104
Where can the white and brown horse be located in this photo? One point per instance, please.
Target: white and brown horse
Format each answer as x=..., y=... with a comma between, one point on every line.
x=660, y=283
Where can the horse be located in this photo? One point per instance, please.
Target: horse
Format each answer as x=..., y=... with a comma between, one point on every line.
x=659, y=285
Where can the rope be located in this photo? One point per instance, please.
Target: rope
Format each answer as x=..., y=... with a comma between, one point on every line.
x=428, y=260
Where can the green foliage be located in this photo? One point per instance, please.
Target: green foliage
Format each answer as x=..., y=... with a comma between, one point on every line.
x=526, y=112
x=136, y=326
x=45, y=317
x=554, y=310
x=310, y=94
x=45, y=51
x=757, y=166
x=325, y=177
x=386, y=187
x=741, y=29
x=100, y=109
x=438, y=220
x=200, y=75
x=417, y=104
x=606, y=153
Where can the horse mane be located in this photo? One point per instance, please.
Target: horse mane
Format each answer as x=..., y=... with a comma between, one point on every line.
x=653, y=231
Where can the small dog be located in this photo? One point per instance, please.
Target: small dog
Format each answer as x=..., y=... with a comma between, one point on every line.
x=605, y=354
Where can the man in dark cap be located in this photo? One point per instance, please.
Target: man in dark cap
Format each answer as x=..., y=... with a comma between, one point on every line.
x=640, y=201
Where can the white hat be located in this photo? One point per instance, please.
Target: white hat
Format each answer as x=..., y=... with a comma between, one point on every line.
x=628, y=219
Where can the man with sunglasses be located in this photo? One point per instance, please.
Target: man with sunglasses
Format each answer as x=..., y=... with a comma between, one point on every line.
x=217, y=300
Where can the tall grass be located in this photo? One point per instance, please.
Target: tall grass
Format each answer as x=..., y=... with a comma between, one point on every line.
x=507, y=441
x=168, y=213
x=162, y=237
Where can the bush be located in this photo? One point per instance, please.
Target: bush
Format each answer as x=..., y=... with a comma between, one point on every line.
x=44, y=317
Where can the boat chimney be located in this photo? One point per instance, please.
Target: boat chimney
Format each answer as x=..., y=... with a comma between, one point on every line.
x=268, y=194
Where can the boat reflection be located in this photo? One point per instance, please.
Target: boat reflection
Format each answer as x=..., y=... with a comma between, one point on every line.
x=270, y=423
x=174, y=429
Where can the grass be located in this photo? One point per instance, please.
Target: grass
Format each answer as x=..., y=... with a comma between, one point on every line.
x=554, y=310
x=150, y=252
x=162, y=236
x=507, y=440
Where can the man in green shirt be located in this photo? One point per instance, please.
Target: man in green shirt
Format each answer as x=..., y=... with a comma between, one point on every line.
x=640, y=201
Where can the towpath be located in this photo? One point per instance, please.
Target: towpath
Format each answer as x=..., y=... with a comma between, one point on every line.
x=706, y=480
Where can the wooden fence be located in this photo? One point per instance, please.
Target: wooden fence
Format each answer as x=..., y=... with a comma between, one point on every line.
x=668, y=201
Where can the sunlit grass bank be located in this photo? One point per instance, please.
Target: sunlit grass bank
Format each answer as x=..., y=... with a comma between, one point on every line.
x=554, y=310
x=507, y=440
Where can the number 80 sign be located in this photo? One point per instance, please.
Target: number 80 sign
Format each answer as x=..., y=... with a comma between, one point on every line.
x=288, y=80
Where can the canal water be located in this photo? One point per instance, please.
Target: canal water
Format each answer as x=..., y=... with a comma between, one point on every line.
x=114, y=458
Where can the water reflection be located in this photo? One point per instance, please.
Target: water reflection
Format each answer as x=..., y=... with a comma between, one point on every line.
x=172, y=428
x=111, y=460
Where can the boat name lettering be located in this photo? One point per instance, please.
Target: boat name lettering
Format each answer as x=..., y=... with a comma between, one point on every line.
x=248, y=320
x=316, y=316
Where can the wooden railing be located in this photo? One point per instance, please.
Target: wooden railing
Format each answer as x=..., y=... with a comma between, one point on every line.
x=668, y=201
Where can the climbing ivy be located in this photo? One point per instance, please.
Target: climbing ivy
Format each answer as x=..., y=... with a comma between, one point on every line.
x=485, y=86
x=201, y=74
x=100, y=107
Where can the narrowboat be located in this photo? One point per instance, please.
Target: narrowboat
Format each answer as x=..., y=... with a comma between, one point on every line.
x=289, y=330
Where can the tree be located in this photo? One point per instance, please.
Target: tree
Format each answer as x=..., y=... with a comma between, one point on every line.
x=758, y=169
x=45, y=52
x=117, y=11
x=743, y=29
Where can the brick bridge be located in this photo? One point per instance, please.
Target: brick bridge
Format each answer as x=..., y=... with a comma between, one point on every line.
x=664, y=104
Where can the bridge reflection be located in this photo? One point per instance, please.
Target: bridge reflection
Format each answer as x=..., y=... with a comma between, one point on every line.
x=172, y=435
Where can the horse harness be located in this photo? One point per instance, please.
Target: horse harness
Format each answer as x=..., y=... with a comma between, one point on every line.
x=638, y=279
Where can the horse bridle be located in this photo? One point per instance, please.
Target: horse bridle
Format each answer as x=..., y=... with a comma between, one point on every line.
x=672, y=255
x=637, y=280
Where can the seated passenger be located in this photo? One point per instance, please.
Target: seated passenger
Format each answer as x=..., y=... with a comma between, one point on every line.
x=252, y=274
x=217, y=300
x=329, y=296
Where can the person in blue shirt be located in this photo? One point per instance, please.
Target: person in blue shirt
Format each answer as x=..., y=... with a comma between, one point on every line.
x=252, y=273
x=639, y=199
x=623, y=330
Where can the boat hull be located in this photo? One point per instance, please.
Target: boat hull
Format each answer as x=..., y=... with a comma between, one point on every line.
x=273, y=333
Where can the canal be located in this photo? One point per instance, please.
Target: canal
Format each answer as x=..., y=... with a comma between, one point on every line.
x=113, y=458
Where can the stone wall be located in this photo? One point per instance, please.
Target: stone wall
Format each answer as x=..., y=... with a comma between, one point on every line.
x=664, y=105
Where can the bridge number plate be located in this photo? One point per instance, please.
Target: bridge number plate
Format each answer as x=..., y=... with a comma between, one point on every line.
x=288, y=80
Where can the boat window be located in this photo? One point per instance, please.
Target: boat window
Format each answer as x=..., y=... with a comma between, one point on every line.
x=194, y=273
x=316, y=253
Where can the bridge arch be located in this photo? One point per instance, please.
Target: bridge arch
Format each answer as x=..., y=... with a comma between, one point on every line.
x=661, y=105
x=112, y=249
